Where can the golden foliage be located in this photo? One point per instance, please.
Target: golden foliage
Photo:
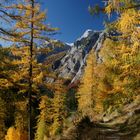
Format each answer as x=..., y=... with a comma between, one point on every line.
x=59, y=108
x=85, y=91
x=115, y=82
x=15, y=134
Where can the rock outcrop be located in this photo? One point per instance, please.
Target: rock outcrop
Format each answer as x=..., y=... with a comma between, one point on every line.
x=72, y=64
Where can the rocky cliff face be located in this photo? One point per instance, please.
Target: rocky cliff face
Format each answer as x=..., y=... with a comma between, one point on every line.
x=71, y=66
x=70, y=59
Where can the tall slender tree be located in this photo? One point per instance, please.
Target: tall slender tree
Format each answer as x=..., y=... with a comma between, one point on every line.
x=85, y=91
x=29, y=31
x=59, y=108
x=44, y=119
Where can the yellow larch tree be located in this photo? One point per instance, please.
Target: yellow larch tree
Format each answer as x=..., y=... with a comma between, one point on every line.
x=29, y=31
x=59, y=110
x=118, y=76
x=44, y=119
x=85, y=91
x=128, y=47
x=121, y=56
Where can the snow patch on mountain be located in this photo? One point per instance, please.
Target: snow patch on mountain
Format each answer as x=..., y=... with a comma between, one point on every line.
x=70, y=44
x=85, y=35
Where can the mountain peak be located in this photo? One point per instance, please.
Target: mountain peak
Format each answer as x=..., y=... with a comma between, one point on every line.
x=71, y=66
x=72, y=56
x=86, y=34
x=70, y=44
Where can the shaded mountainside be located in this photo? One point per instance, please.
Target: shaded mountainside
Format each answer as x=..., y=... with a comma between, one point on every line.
x=57, y=47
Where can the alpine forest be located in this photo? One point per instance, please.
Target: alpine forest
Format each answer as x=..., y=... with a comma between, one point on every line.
x=54, y=90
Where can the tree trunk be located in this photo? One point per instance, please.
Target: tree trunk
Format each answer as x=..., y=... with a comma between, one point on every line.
x=30, y=132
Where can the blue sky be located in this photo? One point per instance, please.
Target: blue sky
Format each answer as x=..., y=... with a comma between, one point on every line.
x=72, y=17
